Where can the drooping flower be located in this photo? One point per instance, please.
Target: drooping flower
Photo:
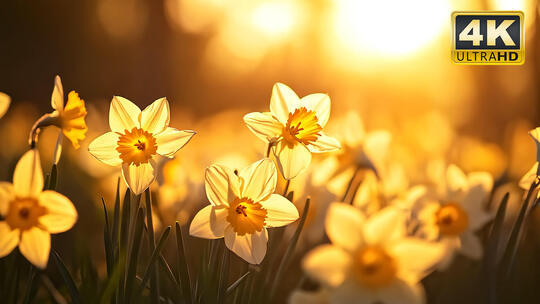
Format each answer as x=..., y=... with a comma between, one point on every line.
x=371, y=261
x=458, y=212
x=294, y=128
x=241, y=207
x=5, y=101
x=136, y=138
x=29, y=214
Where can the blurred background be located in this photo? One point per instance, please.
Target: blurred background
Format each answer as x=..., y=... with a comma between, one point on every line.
x=387, y=61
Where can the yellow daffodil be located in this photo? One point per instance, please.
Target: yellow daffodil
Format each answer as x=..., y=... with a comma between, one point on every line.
x=455, y=216
x=136, y=138
x=294, y=128
x=29, y=214
x=241, y=207
x=533, y=174
x=371, y=260
x=5, y=101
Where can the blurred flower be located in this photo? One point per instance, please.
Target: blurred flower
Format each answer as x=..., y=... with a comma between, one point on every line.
x=293, y=128
x=136, y=139
x=313, y=297
x=458, y=213
x=241, y=207
x=5, y=100
x=532, y=175
x=535, y=134
x=30, y=215
x=371, y=260
x=475, y=155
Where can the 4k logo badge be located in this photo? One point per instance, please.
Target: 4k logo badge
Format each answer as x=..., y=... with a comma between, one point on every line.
x=488, y=38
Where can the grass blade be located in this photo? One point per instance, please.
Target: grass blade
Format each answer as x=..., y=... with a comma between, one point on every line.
x=109, y=254
x=155, y=254
x=183, y=271
x=114, y=281
x=238, y=282
x=68, y=280
x=154, y=284
x=223, y=276
x=116, y=220
x=134, y=255
x=31, y=287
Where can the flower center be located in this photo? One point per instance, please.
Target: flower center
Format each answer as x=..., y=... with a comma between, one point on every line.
x=302, y=126
x=452, y=219
x=246, y=216
x=136, y=146
x=374, y=268
x=24, y=213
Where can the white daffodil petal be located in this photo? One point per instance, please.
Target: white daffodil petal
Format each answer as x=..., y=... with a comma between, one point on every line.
x=324, y=143
x=344, y=225
x=526, y=181
x=292, y=160
x=456, y=181
x=61, y=214
x=385, y=226
x=28, y=177
x=260, y=180
x=407, y=250
x=35, y=246
x=171, y=140
x=535, y=134
x=280, y=211
x=320, y=104
x=57, y=97
x=103, y=148
x=250, y=247
x=123, y=115
x=155, y=117
x=327, y=264
x=471, y=246
x=402, y=292
x=221, y=184
x=209, y=223
x=8, y=239
x=283, y=101
x=263, y=125
x=7, y=194
x=351, y=292
x=138, y=178
x=5, y=101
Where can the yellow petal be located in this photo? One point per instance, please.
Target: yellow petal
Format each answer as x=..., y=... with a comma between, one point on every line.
x=320, y=103
x=61, y=214
x=209, y=223
x=385, y=226
x=171, y=140
x=123, y=115
x=138, y=178
x=535, y=134
x=283, y=101
x=221, y=184
x=250, y=247
x=104, y=149
x=327, y=264
x=57, y=97
x=155, y=117
x=28, y=177
x=456, y=181
x=376, y=146
x=344, y=225
x=324, y=143
x=407, y=251
x=263, y=125
x=73, y=119
x=58, y=148
x=35, y=246
x=280, y=211
x=8, y=239
x=352, y=128
x=5, y=101
x=291, y=160
x=260, y=180
x=7, y=194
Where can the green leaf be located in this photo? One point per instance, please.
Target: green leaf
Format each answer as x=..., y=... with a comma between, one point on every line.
x=154, y=284
x=68, y=280
x=134, y=256
x=116, y=220
x=223, y=277
x=109, y=253
x=114, y=281
x=183, y=270
x=153, y=258
x=238, y=282
x=31, y=287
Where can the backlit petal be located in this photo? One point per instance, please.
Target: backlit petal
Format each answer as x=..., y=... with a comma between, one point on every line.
x=471, y=246
x=138, y=178
x=402, y=292
x=526, y=181
x=327, y=264
x=209, y=223
x=35, y=246
x=104, y=149
x=291, y=160
x=7, y=194
x=5, y=101
x=385, y=226
x=320, y=103
x=259, y=180
x=123, y=115
x=535, y=134
x=280, y=211
x=250, y=247
x=324, y=143
x=221, y=184
x=61, y=214
x=407, y=251
x=57, y=97
x=344, y=226
x=155, y=117
x=8, y=239
x=171, y=140
x=456, y=182
x=263, y=125
x=283, y=101
x=28, y=177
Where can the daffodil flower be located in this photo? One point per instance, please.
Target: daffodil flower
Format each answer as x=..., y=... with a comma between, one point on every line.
x=294, y=128
x=455, y=216
x=5, y=100
x=242, y=207
x=30, y=215
x=371, y=261
x=135, y=140
x=533, y=174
